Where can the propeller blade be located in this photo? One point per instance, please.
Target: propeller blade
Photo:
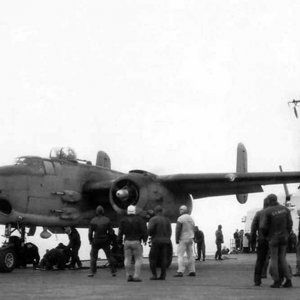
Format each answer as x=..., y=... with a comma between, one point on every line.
x=286, y=191
x=295, y=111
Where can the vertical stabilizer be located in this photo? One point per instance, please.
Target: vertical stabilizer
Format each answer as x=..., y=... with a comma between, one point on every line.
x=103, y=160
x=241, y=161
x=241, y=167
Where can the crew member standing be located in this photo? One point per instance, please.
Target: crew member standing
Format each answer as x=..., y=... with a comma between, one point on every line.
x=298, y=249
x=100, y=235
x=199, y=240
x=134, y=228
x=276, y=225
x=237, y=240
x=74, y=245
x=184, y=238
x=219, y=242
x=159, y=228
x=262, y=245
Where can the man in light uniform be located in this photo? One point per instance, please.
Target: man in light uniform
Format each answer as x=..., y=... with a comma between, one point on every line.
x=134, y=230
x=184, y=238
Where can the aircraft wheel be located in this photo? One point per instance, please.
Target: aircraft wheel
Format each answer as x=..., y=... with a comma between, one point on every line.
x=8, y=260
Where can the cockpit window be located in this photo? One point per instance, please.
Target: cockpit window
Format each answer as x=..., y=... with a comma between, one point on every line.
x=36, y=164
x=49, y=167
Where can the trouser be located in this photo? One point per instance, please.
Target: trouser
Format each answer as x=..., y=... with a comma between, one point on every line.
x=74, y=256
x=201, y=249
x=266, y=265
x=159, y=256
x=237, y=244
x=133, y=249
x=105, y=246
x=298, y=257
x=186, y=246
x=218, y=254
x=278, y=258
x=262, y=255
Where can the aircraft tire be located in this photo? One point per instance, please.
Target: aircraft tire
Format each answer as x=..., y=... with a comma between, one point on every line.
x=8, y=260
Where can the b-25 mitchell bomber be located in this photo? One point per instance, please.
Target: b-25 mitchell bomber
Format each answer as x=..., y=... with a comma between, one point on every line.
x=62, y=191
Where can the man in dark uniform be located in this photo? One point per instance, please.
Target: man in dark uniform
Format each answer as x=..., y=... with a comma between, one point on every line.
x=237, y=240
x=292, y=242
x=74, y=245
x=159, y=228
x=219, y=242
x=276, y=225
x=100, y=233
x=298, y=249
x=134, y=228
x=199, y=240
x=262, y=245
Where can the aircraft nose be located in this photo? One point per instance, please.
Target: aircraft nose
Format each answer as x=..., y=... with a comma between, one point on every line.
x=5, y=206
x=9, y=183
x=9, y=170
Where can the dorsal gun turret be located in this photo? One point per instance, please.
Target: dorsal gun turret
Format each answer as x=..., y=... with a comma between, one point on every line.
x=65, y=153
x=103, y=160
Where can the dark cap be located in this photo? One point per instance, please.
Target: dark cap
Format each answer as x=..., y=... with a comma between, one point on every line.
x=158, y=209
x=99, y=210
x=272, y=199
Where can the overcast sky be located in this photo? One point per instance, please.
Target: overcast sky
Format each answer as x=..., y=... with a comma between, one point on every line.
x=165, y=86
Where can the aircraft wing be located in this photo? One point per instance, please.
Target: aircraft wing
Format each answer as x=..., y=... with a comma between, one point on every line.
x=207, y=185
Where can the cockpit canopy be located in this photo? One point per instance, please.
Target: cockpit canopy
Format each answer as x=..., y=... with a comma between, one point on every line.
x=35, y=164
x=63, y=153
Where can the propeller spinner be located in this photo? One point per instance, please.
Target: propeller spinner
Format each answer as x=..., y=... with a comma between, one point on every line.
x=122, y=194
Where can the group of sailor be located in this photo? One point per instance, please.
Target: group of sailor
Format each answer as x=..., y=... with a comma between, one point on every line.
x=270, y=231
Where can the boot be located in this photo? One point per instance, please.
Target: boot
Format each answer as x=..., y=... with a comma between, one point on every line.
x=287, y=284
x=276, y=284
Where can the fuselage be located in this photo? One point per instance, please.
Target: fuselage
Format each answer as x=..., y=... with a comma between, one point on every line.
x=50, y=192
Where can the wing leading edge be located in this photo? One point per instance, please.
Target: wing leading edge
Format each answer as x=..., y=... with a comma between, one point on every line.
x=211, y=184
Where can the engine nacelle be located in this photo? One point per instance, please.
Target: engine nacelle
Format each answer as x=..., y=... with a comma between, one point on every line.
x=145, y=190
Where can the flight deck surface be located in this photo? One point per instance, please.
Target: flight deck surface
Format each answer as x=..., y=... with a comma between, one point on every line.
x=231, y=278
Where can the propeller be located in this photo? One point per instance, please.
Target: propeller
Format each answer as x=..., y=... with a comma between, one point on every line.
x=295, y=103
x=286, y=191
x=124, y=193
x=295, y=111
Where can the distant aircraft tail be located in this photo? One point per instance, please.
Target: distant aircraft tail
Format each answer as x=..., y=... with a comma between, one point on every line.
x=241, y=167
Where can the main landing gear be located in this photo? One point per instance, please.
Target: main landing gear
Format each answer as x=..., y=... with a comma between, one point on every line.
x=8, y=255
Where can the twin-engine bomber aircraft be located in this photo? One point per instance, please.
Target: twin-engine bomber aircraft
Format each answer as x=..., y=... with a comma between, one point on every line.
x=64, y=191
